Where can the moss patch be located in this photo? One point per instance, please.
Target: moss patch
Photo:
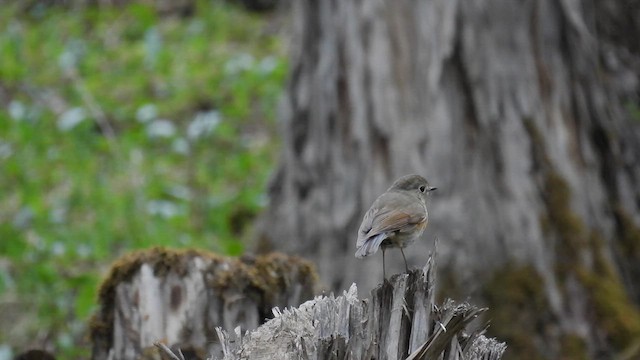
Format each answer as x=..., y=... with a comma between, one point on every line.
x=562, y=221
x=629, y=234
x=271, y=276
x=573, y=347
x=614, y=313
x=628, y=249
x=558, y=219
x=268, y=270
x=518, y=310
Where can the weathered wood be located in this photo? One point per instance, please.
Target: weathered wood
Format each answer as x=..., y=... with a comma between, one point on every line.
x=180, y=297
x=523, y=114
x=399, y=321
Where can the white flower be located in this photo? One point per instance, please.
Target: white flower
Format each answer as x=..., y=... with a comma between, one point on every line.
x=161, y=128
x=238, y=63
x=203, y=124
x=71, y=118
x=267, y=65
x=163, y=208
x=17, y=110
x=146, y=113
x=180, y=146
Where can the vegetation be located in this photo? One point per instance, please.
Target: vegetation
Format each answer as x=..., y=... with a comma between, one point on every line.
x=121, y=129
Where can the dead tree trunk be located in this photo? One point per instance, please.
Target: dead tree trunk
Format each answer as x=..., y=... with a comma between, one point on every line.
x=521, y=113
x=399, y=321
x=180, y=297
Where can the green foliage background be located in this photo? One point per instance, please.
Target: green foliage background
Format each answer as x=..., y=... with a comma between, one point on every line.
x=121, y=129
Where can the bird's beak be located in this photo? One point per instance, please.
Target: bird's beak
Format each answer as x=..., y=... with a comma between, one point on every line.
x=432, y=189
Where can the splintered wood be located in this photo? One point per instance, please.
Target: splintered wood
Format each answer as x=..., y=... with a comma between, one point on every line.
x=400, y=321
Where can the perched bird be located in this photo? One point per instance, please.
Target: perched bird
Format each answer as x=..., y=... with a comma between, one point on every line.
x=396, y=219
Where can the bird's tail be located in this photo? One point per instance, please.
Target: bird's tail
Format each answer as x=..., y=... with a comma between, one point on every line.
x=370, y=246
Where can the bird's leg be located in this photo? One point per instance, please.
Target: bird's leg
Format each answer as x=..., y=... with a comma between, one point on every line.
x=405, y=261
x=384, y=274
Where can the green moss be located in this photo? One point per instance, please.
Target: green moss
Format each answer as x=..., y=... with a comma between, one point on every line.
x=601, y=265
x=629, y=232
x=564, y=223
x=616, y=315
x=634, y=110
x=518, y=309
x=271, y=272
x=627, y=250
x=267, y=277
x=614, y=312
x=558, y=219
x=573, y=347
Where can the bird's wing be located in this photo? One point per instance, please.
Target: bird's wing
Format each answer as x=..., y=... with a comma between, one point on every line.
x=394, y=215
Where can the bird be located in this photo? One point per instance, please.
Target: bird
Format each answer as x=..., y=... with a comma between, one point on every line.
x=396, y=218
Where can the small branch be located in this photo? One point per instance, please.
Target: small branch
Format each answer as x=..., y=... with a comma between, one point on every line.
x=89, y=100
x=168, y=351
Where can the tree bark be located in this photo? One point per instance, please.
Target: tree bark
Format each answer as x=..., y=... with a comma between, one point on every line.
x=180, y=297
x=399, y=321
x=523, y=114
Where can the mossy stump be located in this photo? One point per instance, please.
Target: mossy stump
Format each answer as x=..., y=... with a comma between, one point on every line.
x=179, y=297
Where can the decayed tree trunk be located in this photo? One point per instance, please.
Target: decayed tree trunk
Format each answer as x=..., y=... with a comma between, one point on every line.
x=180, y=297
x=399, y=321
x=521, y=113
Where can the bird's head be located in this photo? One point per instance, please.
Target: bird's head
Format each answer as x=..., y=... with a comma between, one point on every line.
x=414, y=183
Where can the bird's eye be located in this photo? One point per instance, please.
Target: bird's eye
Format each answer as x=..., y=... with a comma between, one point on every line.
x=422, y=188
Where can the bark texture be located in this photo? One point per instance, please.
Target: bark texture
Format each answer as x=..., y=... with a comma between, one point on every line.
x=523, y=114
x=399, y=321
x=180, y=297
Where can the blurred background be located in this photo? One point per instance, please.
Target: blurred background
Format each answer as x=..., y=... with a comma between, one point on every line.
x=124, y=126
x=250, y=126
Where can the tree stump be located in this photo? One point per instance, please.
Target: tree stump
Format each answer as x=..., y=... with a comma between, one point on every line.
x=180, y=297
x=400, y=321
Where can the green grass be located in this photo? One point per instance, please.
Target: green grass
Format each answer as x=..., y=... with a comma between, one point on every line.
x=124, y=130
